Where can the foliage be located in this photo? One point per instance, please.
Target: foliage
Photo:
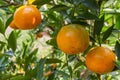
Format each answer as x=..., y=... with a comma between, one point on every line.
x=20, y=60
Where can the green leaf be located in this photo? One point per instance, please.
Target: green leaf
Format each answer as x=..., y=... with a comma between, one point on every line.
x=88, y=15
x=117, y=50
x=2, y=2
x=33, y=53
x=92, y=39
x=2, y=14
x=30, y=73
x=78, y=64
x=2, y=28
x=64, y=65
x=117, y=21
x=41, y=2
x=12, y=42
x=9, y=21
x=40, y=67
x=59, y=8
x=117, y=64
x=52, y=76
x=107, y=33
x=25, y=48
x=52, y=42
x=2, y=55
x=62, y=73
x=18, y=77
x=71, y=58
x=91, y=4
x=70, y=70
x=98, y=25
x=52, y=16
x=50, y=61
x=28, y=59
x=77, y=21
x=2, y=44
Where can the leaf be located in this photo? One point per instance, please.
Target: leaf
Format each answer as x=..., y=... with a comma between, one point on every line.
x=65, y=75
x=91, y=4
x=2, y=14
x=117, y=64
x=28, y=59
x=52, y=16
x=30, y=73
x=2, y=2
x=50, y=61
x=2, y=28
x=12, y=42
x=40, y=67
x=89, y=16
x=59, y=8
x=71, y=58
x=92, y=39
x=33, y=53
x=9, y=21
x=70, y=70
x=98, y=25
x=117, y=21
x=64, y=65
x=117, y=50
x=78, y=64
x=18, y=77
x=52, y=76
x=2, y=55
x=52, y=42
x=107, y=33
x=41, y=2
x=2, y=44
x=24, y=49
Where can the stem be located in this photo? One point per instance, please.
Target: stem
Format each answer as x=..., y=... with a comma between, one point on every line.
x=99, y=40
x=9, y=3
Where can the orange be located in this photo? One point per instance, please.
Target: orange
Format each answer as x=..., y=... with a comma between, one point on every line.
x=27, y=17
x=12, y=25
x=100, y=60
x=73, y=39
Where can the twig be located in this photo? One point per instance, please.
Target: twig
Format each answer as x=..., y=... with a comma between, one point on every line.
x=9, y=3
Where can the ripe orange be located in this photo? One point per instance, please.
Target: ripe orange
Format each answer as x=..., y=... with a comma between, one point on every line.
x=12, y=25
x=73, y=39
x=27, y=17
x=100, y=60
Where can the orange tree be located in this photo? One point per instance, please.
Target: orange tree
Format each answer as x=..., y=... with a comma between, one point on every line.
x=20, y=59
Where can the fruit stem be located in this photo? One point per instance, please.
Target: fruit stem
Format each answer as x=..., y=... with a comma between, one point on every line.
x=99, y=40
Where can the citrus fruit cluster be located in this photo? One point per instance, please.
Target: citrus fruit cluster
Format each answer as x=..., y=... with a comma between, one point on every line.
x=74, y=39
x=26, y=17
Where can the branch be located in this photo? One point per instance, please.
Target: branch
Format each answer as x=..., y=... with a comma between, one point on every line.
x=9, y=3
